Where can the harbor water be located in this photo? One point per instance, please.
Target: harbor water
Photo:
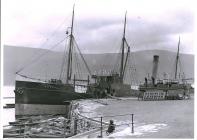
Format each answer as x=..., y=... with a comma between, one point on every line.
x=152, y=119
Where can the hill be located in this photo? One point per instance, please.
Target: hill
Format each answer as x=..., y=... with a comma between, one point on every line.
x=49, y=66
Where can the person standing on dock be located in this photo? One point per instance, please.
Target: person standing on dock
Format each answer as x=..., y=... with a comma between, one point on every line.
x=111, y=127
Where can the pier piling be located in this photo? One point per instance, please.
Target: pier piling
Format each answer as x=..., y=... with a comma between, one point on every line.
x=101, y=127
x=132, y=123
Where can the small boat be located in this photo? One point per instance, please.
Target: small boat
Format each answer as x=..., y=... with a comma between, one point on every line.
x=9, y=106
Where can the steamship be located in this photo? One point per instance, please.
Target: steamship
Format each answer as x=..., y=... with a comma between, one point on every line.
x=35, y=96
x=164, y=89
x=55, y=96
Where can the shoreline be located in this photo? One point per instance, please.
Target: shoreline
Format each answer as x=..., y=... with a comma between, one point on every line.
x=152, y=119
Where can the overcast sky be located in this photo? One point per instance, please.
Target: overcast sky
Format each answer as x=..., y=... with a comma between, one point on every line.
x=98, y=26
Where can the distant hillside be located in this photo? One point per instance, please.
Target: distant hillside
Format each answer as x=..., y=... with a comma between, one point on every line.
x=47, y=66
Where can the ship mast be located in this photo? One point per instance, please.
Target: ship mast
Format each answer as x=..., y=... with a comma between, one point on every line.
x=177, y=59
x=69, y=66
x=122, y=54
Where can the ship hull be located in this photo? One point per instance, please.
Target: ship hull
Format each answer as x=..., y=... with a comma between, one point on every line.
x=35, y=98
x=164, y=92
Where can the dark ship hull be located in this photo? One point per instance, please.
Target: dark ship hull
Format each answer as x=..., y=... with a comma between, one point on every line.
x=54, y=97
x=44, y=98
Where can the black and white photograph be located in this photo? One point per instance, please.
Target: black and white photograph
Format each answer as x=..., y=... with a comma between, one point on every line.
x=97, y=69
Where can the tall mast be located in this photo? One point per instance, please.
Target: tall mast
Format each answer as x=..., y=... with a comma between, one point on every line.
x=122, y=54
x=69, y=66
x=177, y=59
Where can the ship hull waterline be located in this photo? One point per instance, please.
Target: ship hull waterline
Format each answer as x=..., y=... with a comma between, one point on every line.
x=35, y=98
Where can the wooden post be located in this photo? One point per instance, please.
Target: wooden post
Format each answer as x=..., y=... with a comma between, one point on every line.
x=64, y=128
x=101, y=127
x=132, y=124
x=74, y=81
x=75, y=126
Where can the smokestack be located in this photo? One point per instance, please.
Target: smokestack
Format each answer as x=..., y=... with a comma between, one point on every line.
x=155, y=66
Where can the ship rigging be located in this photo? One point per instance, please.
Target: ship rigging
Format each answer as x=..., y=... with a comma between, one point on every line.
x=71, y=54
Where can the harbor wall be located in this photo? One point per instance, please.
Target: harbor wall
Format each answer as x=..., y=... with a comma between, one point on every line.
x=40, y=109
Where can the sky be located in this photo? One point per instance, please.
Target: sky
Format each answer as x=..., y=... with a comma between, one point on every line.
x=98, y=24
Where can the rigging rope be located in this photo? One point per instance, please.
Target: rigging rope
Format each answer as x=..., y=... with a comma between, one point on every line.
x=77, y=66
x=82, y=56
x=132, y=70
x=75, y=60
x=179, y=68
x=45, y=42
x=63, y=62
x=44, y=53
x=116, y=65
x=24, y=76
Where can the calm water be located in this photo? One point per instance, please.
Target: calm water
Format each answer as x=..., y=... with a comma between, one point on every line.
x=176, y=115
x=153, y=119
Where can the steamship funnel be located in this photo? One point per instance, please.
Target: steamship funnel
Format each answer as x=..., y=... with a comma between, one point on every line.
x=155, y=66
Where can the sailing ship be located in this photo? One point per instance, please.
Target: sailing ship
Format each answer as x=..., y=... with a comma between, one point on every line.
x=54, y=96
x=165, y=89
x=112, y=84
x=50, y=97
